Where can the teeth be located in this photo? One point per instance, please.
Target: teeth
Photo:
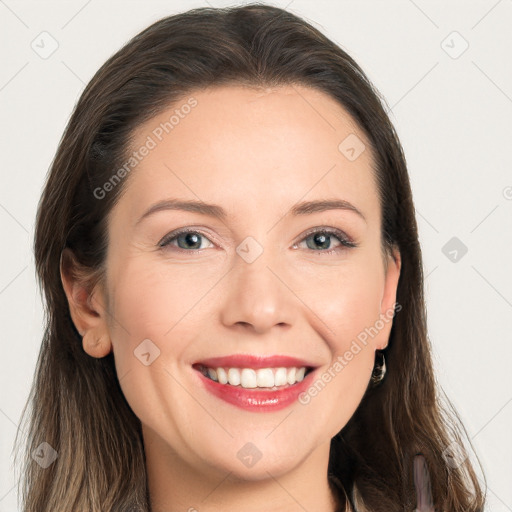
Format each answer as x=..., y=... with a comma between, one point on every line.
x=280, y=377
x=248, y=378
x=222, y=376
x=265, y=378
x=233, y=376
x=261, y=378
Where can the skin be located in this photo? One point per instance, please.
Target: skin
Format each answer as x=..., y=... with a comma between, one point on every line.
x=256, y=153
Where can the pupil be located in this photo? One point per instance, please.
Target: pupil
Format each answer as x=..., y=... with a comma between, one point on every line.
x=322, y=240
x=192, y=238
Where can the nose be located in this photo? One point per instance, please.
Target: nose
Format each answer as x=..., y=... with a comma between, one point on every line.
x=258, y=296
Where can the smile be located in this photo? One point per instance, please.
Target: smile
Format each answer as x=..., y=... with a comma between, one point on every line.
x=255, y=383
x=250, y=378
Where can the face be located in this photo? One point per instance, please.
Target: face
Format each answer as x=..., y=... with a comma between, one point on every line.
x=271, y=283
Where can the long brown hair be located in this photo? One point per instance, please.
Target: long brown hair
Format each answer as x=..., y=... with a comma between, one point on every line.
x=76, y=403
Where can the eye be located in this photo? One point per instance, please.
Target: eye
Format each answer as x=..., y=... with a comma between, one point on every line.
x=186, y=239
x=322, y=237
x=191, y=240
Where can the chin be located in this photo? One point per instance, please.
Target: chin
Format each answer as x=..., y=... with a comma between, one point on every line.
x=258, y=459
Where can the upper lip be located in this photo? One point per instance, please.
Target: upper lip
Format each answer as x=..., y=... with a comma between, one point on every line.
x=254, y=361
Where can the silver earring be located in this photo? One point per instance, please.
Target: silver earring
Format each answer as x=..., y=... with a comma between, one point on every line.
x=379, y=369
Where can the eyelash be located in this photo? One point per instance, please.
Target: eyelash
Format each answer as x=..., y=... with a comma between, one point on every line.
x=342, y=238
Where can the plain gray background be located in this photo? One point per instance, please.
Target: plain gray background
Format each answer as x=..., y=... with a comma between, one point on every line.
x=444, y=70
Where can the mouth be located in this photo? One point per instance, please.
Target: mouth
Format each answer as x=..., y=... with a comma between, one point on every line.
x=270, y=379
x=255, y=383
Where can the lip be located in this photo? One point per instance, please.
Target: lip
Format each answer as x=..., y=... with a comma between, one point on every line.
x=256, y=362
x=254, y=399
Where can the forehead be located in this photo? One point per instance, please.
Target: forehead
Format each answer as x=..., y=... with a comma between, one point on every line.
x=243, y=147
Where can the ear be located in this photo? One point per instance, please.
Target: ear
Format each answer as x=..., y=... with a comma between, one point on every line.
x=387, y=305
x=87, y=305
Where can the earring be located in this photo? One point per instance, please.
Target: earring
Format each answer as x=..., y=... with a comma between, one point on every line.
x=379, y=370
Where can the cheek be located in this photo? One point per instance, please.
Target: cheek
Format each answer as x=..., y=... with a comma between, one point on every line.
x=347, y=300
x=147, y=311
x=153, y=321
x=152, y=300
x=349, y=309
x=348, y=314
x=156, y=313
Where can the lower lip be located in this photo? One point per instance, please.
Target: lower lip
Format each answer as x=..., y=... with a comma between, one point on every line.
x=257, y=400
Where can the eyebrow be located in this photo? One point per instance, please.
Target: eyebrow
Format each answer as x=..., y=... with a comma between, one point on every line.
x=213, y=210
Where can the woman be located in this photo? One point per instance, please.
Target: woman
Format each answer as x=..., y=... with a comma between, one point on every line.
x=229, y=253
